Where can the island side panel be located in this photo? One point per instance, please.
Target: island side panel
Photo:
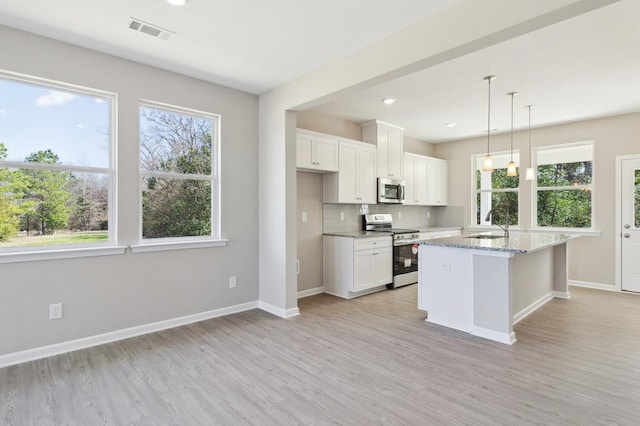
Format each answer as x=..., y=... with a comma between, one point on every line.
x=560, y=268
x=493, y=298
x=445, y=286
x=533, y=281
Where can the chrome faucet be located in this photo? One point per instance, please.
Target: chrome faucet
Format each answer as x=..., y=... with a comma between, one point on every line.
x=504, y=209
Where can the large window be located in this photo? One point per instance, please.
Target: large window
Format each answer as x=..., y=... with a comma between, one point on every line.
x=495, y=189
x=56, y=165
x=564, y=186
x=179, y=169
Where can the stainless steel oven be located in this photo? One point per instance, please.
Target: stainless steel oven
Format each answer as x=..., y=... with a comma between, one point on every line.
x=405, y=248
x=405, y=260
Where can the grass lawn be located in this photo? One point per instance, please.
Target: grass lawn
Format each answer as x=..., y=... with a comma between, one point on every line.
x=60, y=237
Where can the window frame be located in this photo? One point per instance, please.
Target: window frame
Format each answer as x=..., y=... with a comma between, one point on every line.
x=534, y=189
x=58, y=251
x=475, y=191
x=186, y=242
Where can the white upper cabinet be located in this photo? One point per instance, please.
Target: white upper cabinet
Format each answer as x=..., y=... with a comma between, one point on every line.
x=437, y=178
x=316, y=151
x=415, y=178
x=355, y=182
x=425, y=180
x=389, y=141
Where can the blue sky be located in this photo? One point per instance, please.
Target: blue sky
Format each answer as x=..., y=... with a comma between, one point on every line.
x=35, y=118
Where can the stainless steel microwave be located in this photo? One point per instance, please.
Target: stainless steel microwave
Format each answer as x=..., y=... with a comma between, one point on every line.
x=390, y=191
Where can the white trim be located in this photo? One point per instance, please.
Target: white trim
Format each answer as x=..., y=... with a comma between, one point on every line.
x=310, y=292
x=279, y=312
x=57, y=253
x=597, y=286
x=585, y=232
x=561, y=295
x=496, y=336
x=532, y=307
x=176, y=245
x=113, y=336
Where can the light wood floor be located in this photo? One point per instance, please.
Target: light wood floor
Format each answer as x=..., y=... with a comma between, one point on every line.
x=371, y=360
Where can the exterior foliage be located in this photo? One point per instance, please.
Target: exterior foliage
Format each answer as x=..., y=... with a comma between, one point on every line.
x=180, y=146
x=39, y=202
x=564, y=195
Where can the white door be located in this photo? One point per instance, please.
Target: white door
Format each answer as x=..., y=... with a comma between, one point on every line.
x=363, y=267
x=630, y=220
x=367, y=183
x=326, y=154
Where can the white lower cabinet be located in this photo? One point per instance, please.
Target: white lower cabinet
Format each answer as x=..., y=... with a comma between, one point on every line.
x=356, y=266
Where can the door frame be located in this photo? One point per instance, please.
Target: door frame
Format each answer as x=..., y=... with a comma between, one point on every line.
x=618, y=222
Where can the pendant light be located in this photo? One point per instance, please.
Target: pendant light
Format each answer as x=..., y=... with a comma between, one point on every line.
x=511, y=167
x=530, y=172
x=487, y=164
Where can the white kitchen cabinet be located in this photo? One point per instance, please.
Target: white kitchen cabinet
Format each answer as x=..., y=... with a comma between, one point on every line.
x=437, y=171
x=415, y=178
x=355, y=182
x=316, y=151
x=356, y=266
x=389, y=141
x=425, y=180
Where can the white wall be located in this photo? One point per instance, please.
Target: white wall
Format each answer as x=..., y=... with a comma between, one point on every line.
x=102, y=294
x=591, y=259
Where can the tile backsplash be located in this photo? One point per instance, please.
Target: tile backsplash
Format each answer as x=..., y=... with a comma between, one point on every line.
x=348, y=217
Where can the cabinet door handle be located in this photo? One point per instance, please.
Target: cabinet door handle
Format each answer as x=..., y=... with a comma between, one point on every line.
x=627, y=236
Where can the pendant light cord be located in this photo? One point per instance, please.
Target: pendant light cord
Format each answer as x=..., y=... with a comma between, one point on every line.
x=489, y=113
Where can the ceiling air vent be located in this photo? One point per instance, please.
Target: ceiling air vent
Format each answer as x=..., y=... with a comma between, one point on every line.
x=150, y=29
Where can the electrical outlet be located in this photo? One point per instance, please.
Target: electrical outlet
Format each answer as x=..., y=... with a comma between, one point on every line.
x=297, y=266
x=341, y=215
x=399, y=215
x=232, y=282
x=55, y=311
x=304, y=216
x=428, y=214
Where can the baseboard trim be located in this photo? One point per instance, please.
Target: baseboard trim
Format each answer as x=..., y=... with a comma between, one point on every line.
x=597, y=286
x=113, y=336
x=279, y=312
x=532, y=307
x=310, y=292
x=496, y=336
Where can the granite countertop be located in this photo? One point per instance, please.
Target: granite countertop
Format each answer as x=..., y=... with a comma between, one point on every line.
x=439, y=228
x=359, y=234
x=518, y=241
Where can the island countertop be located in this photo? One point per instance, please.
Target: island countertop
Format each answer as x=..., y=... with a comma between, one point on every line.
x=518, y=241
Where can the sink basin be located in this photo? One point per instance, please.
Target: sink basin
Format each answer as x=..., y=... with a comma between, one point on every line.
x=485, y=237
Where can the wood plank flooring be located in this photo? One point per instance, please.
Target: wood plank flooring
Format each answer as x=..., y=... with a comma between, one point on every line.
x=365, y=361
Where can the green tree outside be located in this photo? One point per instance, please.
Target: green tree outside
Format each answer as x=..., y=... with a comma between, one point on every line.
x=48, y=190
x=181, y=144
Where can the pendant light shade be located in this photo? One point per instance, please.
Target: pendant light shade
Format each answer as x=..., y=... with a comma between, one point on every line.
x=531, y=174
x=487, y=164
x=511, y=167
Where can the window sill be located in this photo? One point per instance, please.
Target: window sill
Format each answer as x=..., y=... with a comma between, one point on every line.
x=176, y=245
x=60, y=253
x=573, y=231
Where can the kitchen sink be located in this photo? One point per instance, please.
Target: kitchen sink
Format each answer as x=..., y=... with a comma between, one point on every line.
x=484, y=237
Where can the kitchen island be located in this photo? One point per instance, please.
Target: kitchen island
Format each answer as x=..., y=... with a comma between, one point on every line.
x=484, y=284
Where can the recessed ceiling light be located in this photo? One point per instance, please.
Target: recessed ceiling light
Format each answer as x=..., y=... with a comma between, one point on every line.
x=388, y=101
x=450, y=124
x=177, y=2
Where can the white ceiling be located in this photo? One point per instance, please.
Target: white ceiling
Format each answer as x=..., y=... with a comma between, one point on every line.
x=249, y=45
x=585, y=67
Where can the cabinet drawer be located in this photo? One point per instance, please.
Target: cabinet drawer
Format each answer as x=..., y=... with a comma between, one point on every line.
x=371, y=243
